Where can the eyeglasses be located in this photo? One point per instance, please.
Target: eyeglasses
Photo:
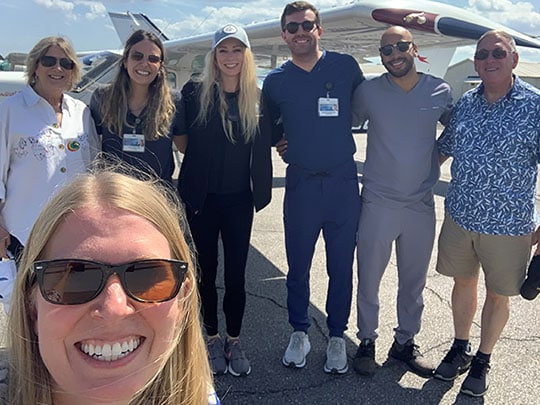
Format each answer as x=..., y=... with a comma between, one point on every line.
x=50, y=61
x=138, y=56
x=292, y=27
x=497, y=53
x=402, y=46
x=74, y=281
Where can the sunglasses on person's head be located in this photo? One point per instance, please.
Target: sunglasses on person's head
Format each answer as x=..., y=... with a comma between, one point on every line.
x=497, y=53
x=402, y=46
x=292, y=27
x=75, y=281
x=138, y=56
x=50, y=61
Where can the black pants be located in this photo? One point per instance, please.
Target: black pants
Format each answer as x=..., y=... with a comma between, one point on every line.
x=231, y=216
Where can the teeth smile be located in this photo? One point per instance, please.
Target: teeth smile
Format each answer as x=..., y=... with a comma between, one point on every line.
x=110, y=351
x=142, y=72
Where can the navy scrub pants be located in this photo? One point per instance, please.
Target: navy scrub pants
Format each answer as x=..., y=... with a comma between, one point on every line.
x=315, y=201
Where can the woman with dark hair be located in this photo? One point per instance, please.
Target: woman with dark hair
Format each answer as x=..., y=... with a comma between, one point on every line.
x=135, y=114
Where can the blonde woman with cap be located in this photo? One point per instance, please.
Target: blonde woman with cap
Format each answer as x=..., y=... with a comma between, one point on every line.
x=225, y=173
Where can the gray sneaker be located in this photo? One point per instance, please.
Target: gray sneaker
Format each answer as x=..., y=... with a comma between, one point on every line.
x=238, y=363
x=216, y=355
x=299, y=347
x=336, y=356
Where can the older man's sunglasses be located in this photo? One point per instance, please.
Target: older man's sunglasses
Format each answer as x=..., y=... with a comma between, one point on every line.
x=75, y=281
x=292, y=27
x=402, y=46
x=50, y=61
x=497, y=53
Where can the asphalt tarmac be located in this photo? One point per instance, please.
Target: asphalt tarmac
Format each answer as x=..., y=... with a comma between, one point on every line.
x=515, y=372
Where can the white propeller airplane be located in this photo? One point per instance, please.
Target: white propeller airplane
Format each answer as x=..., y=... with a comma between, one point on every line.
x=355, y=29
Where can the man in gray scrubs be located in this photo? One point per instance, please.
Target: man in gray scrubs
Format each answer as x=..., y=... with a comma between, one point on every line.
x=401, y=169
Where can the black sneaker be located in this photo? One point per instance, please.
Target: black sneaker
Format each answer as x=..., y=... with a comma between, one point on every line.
x=364, y=360
x=411, y=356
x=476, y=384
x=456, y=362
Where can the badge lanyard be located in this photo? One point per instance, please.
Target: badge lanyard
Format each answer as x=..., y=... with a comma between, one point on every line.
x=328, y=107
x=133, y=142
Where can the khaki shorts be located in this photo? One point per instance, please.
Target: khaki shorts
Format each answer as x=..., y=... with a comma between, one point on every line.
x=504, y=259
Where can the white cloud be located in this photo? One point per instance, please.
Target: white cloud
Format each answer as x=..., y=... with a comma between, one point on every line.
x=95, y=9
x=66, y=7
x=521, y=16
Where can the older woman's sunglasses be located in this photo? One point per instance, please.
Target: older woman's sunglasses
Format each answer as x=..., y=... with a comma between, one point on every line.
x=292, y=27
x=497, y=53
x=402, y=46
x=50, y=61
x=74, y=281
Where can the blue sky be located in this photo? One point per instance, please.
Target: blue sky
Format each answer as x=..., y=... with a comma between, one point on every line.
x=88, y=26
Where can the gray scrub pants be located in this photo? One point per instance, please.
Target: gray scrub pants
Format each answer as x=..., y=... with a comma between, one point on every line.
x=413, y=230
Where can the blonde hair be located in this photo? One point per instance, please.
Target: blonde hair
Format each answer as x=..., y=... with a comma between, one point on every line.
x=41, y=48
x=184, y=377
x=248, y=96
x=160, y=109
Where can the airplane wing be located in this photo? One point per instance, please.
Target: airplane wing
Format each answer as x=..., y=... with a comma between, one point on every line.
x=355, y=29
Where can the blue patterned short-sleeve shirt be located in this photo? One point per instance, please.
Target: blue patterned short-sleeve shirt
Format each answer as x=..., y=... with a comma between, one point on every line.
x=496, y=150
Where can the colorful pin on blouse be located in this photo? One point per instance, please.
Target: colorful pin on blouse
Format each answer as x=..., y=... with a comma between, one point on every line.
x=73, y=146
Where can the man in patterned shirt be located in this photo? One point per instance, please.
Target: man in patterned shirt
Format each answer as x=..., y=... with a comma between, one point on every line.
x=494, y=139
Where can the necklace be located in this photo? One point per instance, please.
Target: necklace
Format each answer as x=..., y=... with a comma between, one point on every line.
x=136, y=109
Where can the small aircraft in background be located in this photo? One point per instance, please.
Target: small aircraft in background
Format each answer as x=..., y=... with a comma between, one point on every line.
x=356, y=28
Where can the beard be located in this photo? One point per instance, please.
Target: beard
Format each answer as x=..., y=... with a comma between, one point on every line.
x=403, y=70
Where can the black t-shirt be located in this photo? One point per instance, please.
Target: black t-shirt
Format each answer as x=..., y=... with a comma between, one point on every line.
x=157, y=157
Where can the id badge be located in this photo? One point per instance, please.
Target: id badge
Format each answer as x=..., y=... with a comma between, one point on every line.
x=133, y=143
x=328, y=107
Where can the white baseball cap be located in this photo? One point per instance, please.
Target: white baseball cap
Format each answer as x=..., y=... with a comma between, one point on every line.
x=230, y=31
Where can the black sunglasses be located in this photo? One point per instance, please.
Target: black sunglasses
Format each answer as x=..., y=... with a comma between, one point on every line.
x=50, y=61
x=137, y=56
x=402, y=46
x=292, y=27
x=75, y=281
x=497, y=53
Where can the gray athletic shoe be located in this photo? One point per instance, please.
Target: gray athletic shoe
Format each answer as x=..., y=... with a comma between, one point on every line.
x=297, y=350
x=336, y=356
x=238, y=362
x=216, y=355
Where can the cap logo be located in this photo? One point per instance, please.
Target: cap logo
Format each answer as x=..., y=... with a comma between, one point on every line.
x=229, y=29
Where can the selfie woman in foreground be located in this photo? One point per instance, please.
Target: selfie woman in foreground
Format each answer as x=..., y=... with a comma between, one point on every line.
x=105, y=307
